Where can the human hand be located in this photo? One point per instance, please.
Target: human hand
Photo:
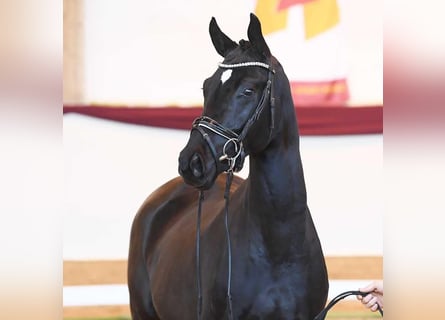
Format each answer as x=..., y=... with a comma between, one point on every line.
x=374, y=299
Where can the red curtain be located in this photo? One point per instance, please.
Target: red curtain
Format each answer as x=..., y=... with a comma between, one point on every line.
x=311, y=120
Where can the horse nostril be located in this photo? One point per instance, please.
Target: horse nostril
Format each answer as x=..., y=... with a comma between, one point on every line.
x=196, y=166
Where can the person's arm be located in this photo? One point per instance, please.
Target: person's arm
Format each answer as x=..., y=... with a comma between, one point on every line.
x=375, y=296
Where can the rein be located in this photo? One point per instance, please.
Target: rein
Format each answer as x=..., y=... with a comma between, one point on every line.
x=204, y=123
x=229, y=248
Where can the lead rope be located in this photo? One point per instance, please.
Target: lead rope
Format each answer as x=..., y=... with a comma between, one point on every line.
x=323, y=313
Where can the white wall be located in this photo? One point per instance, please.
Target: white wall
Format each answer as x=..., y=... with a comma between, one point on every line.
x=159, y=52
x=111, y=167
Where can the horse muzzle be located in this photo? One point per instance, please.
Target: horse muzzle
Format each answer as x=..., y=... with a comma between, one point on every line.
x=192, y=167
x=197, y=167
x=211, y=149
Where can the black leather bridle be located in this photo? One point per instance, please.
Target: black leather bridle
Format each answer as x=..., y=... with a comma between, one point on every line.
x=204, y=125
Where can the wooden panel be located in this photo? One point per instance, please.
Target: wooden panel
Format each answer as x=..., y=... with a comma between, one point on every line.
x=115, y=271
x=96, y=311
x=73, y=51
x=94, y=272
x=349, y=267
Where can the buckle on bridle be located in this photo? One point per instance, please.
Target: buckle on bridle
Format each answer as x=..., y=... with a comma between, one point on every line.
x=238, y=146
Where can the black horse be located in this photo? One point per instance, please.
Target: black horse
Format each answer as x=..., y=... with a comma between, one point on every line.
x=277, y=265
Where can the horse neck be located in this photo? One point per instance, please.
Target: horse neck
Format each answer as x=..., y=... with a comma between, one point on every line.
x=276, y=179
x=276, y=198
x=276, y=173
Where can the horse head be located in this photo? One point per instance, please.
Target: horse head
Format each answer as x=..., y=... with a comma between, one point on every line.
x=238, y=117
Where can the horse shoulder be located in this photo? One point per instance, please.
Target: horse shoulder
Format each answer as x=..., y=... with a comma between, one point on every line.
x=157, y=210
x=167, y=203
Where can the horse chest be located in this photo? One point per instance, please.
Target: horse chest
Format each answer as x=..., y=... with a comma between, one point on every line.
x=260, y=297
x=260, y=290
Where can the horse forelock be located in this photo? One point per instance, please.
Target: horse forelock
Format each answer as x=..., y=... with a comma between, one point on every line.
x=244, y=44
x=245, y=52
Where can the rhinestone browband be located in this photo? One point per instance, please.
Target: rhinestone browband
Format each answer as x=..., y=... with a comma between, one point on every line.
x=245, y=64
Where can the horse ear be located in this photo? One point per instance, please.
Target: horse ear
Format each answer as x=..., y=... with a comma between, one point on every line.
x=221, y=42
x=256, y=36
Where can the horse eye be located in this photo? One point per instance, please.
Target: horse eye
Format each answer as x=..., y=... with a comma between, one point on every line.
x=248, y=92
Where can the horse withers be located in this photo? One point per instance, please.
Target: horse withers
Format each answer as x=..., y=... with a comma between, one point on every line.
x=272, y=267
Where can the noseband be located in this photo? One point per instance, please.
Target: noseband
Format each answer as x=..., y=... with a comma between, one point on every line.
x=204, y=123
